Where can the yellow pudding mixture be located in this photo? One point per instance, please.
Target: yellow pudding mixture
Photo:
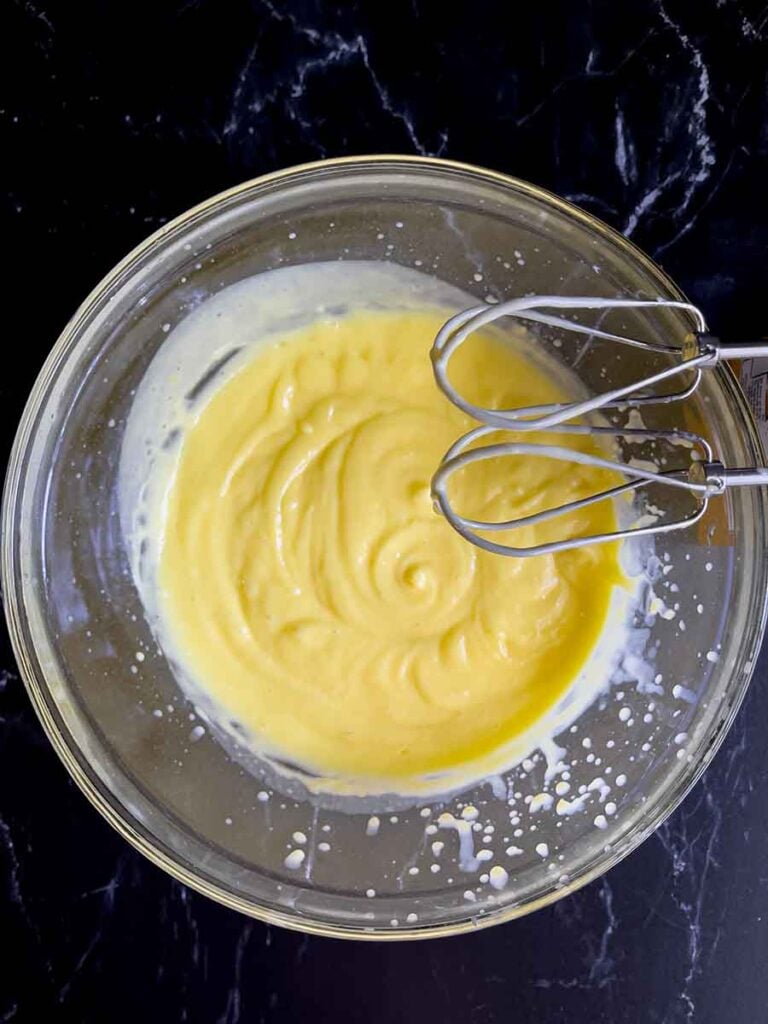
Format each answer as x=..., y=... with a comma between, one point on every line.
x=311, y=589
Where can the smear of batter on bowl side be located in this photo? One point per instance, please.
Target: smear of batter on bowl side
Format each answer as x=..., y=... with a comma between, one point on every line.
x=307, y=586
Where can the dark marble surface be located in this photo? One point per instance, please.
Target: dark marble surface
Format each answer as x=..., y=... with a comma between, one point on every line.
x=115, y=117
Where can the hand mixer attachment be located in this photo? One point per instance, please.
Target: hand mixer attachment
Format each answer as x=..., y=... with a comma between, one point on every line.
x=700, y=476
x=695, y=472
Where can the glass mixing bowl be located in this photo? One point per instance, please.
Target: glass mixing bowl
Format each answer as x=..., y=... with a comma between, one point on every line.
x=123, y=727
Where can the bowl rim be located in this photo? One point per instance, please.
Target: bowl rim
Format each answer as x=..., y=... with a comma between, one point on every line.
x=35, y=681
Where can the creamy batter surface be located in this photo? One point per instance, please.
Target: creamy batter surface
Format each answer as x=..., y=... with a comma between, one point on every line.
x=304, y=583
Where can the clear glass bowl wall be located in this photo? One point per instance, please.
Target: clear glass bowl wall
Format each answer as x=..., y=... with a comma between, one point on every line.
x=76, y=618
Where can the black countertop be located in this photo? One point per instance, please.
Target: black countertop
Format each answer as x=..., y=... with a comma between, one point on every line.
x=116, y=117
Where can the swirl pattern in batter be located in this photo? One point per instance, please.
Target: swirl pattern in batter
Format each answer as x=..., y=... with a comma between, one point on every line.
x=310, y=588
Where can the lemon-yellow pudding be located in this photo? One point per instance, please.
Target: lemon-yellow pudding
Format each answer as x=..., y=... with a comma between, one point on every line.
x=306, y=584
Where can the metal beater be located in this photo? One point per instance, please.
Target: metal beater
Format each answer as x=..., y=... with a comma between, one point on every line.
x=702, y=477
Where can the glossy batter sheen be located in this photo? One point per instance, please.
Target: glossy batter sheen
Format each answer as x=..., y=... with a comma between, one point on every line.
x=309, y=586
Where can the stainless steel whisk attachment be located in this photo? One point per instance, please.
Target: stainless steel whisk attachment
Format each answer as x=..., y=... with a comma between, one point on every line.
x=703, y=478
x=682, y=465
x=699, y=350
